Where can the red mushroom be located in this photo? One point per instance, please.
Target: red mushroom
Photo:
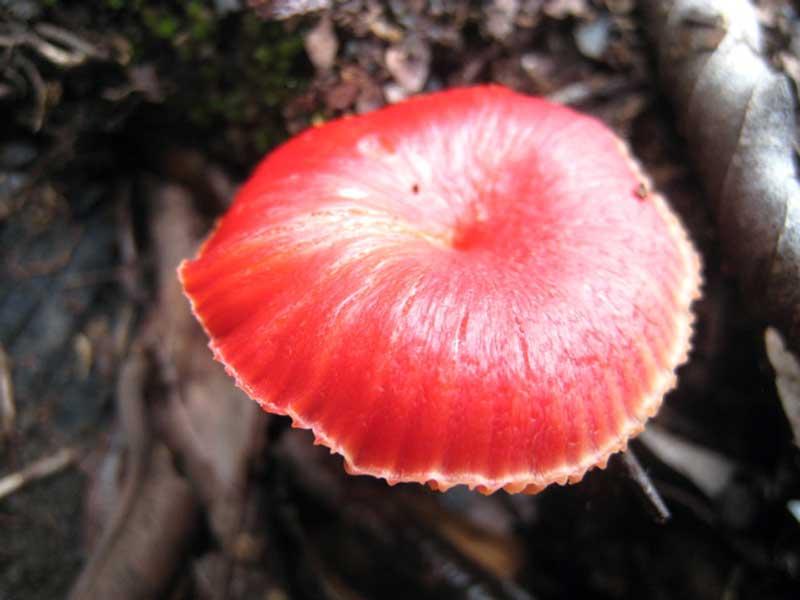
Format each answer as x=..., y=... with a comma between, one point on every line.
x=470, y=287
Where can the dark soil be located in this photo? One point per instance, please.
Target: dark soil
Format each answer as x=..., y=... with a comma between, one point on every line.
x=102, y=101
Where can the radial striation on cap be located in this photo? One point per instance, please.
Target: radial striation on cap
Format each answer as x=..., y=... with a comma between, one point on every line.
x=471, y=287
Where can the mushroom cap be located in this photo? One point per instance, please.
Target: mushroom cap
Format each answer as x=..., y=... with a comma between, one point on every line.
x=469, y=287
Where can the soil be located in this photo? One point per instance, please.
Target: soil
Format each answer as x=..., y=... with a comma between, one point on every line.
x=104, y=102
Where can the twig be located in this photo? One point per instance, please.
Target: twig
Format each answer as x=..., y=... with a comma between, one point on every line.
x=72, y=52
x=40, y=469
x=129, y=273
x=72, y=42
x=8, y=411
x=710, y=471
x=645, y=486
x=284, y=9
x=39, y=90
x=587, y=91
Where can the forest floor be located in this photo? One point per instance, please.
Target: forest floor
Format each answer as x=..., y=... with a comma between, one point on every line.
x=126, y=127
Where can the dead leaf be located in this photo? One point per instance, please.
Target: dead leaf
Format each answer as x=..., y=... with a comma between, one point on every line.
x=321, y=44
x=787, y=378
x=708, y=470
x=738, y=116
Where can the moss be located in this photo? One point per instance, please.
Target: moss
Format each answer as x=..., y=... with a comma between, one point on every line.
x=160, y=23
x=263, y=140
x=217, y=72
x=201, y=24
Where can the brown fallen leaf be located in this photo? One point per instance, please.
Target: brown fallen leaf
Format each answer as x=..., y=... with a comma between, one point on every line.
x=154, y=508
x=710, y=471
x=787, y=378
x=212, y=426
x=197, y=417
x=738, y=116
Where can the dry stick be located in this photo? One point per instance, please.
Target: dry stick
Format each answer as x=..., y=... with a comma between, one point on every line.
x=8, y=411
x=738, y=116
x=40, y=469
x=284, y=9
x=130, y=275
x=645, y=486
x=39, y=88
x=78, y=47
x=71, y=52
